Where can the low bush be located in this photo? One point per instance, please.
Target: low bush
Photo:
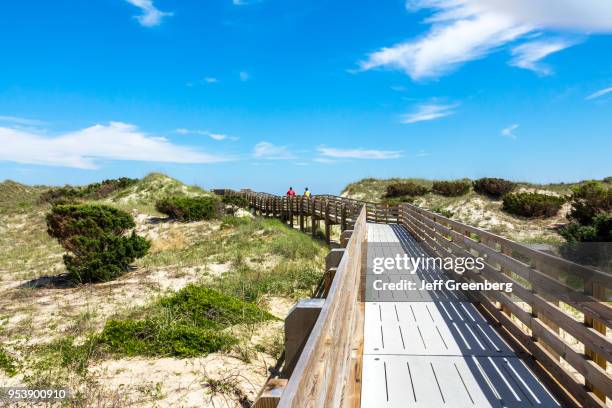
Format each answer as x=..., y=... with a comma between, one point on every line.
x=493, y=187
x=589, y=200
x=590, y=226
x=407, y=188
x=532, y=204
x=189, y=208
x=451, y=188
x=443, y=212
x=236, y=200
x=7, y=364
x=93, y=191
x=94, y=236
x=188, y=323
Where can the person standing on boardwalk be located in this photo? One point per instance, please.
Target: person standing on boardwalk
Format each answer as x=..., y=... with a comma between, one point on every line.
x=307, y=193
x=291, y=192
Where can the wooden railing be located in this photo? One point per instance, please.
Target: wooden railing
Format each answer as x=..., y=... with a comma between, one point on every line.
x=558, y=316
x=322, y=375
x=561, y=325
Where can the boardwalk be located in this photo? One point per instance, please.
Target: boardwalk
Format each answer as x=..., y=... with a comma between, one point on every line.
x=435, y=348
x=423, y=351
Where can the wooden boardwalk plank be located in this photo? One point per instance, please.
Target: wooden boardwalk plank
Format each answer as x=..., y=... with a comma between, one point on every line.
x=426, y=349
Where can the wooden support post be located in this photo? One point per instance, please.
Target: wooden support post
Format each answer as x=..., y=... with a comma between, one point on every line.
x=345, y=236
x=301, y=214
x=290, y=204
x=298, y=325
x=328, y=278
x=271, y=393
x=343, y=219
x=313, y=220
x=598, y=292
x=327, y=224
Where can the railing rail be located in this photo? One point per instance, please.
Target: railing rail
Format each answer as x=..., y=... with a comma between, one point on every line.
x=562, y=326
x=319, y=377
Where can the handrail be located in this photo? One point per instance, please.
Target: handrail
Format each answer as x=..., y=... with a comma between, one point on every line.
x=533, y=316
x=318, y=377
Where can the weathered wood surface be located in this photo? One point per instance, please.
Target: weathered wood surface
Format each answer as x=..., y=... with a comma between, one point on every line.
x=320, y=378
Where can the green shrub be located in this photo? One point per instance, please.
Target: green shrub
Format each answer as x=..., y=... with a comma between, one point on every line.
x=187, y=323
x=153, y=338
x=236, y=200
x=590, y=223
x=189, y=208
x=94, y=236
x=451, y=188
x=67, y=221
x=493, y=187
x=443, y=212
x=103, y=258
x=589, y=200
x=90, y=191
x=7, y=364
x=608, y=180
x=407, y=188
x=532, y=204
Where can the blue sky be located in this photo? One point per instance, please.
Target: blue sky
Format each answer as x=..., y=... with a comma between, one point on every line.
x=270, y=93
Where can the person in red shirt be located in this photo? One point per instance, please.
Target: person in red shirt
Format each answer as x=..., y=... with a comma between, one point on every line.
x=291, y=192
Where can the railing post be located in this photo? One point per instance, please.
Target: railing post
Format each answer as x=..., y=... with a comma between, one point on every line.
x=327, y=223
x=301, y=205
x=313, y=218
x=290, y=204
x=343, y=219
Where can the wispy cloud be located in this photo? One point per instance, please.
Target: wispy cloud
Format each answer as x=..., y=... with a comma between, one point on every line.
x=530, y=54
x=215, y=136
x=151, y=16
x=84, y=148
x=211, y=80
x=371, y=154
x=268, y=151
x=599, y=93
x=244, y=76
x=509, y=131
x=21, y=121
x=428, y=111
x=465, y=30
x=421, y=153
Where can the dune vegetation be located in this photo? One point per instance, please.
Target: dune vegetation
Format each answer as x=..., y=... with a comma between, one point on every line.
x=195, y=320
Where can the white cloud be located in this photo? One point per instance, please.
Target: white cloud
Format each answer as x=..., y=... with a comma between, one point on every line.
x=269, y=151
x=83, y=148
x=428, y=111
x=211, y=80
x=21, y=121
x=599, y=93
x=422, y=153
x=358, y=153
x=530, y=54
x=509, y=131
x=244, y=76
x=324, y=160
x=151, y=15
x=464, y=30
x=215, y=136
